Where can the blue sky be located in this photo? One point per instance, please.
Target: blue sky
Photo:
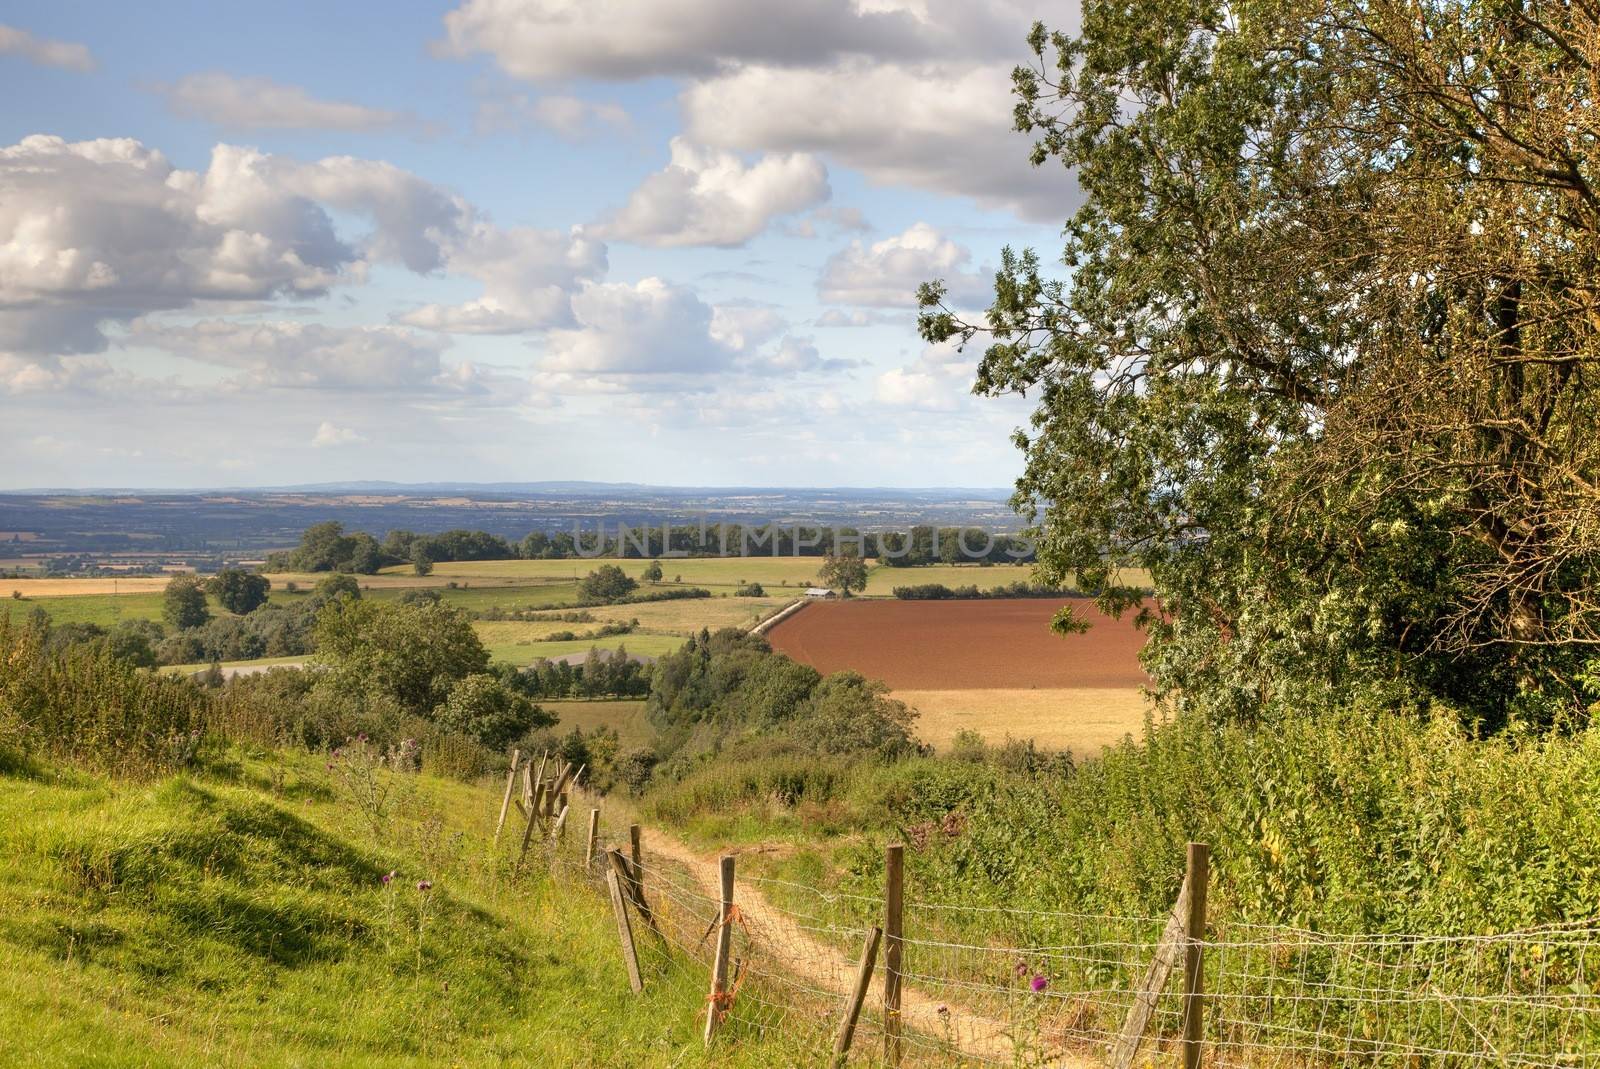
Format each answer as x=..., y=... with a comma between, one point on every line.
x=669, y=242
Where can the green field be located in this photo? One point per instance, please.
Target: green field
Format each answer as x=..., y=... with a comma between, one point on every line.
x=710, y=572
x=504, y=645
x=626, y=717
x=105, y=610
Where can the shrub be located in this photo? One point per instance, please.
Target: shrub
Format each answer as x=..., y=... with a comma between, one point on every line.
x=485, y=709
x=84, y=705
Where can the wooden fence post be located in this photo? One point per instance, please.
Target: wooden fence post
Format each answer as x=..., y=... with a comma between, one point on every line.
x=1194, y=979
x=852, y=1009
x=594, y=832
x=505, y=803
x=894, y=858
x=558, y=830
x=630, y=956
x=634, y=888
x=1168, y=950
x=636, y=873
x=719, y=967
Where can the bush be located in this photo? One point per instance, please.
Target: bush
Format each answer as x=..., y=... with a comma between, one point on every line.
x=84, y=705
x=483, y=708
x=606, y=584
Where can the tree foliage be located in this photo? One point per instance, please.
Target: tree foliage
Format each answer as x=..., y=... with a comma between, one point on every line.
x=1323, y=360
x=408, y=655
x=239, y=591
x=183, y=604
x=845, y=573
x=607, y=583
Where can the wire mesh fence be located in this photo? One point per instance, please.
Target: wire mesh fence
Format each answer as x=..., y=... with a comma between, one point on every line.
x=991, y=985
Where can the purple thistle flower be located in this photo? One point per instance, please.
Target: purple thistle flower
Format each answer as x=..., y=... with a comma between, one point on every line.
x=1039, y=983
x=424, y=885
x=387, y=878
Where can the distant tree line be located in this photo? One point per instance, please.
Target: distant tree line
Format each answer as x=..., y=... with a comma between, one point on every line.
x=326, y=547
x=940, y=592
x=600, y=675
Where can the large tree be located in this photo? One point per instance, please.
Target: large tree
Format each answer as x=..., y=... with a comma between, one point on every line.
x=1323, y=355
x=239, y=591
x=410, y=655
x=183, y=604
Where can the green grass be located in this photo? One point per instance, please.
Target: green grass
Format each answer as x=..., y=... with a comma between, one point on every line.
x=236, y=918
x=104, y=610
x=520, y=651
x=696, y=571
x=626, y=717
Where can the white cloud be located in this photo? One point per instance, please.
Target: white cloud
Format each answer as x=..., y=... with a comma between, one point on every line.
x=714, y=198
x=652, y=328
x=939, y=380
x=744, y=326
x=260, y=103
x=909, y=92
x=830, y=218
x=571, y=117
x=308, y=356
x=107, y=230
x=621, y=40
x=104, y=232
x=945, y=128
x=329, y=436
x=797, y=355
x=46, y=53
x=528, y=278
x=888, y=272
x=856, y=317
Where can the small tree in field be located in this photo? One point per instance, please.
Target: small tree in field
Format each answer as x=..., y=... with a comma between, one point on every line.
x=605, y=584
x=184, y=603
x=844, y=573
x=652, y=572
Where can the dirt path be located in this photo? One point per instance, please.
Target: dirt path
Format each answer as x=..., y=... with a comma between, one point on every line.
x=797, y=951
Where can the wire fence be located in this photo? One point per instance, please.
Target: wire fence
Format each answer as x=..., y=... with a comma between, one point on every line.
x=1058, y=988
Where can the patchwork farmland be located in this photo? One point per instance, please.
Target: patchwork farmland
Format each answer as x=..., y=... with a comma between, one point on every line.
x=990, y=666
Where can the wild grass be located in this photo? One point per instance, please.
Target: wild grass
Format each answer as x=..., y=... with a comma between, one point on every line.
x=238, y=917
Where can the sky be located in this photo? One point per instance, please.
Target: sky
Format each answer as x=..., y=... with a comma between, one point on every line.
x=659, y=241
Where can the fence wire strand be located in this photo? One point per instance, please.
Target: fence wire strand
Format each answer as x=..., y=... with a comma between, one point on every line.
x=994, y=985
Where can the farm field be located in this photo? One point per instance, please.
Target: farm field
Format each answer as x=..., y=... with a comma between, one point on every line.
x=1082, y=720
x=993, y=667
x=627, y=717
x=695, y=571
x=972, y=645
x=505, y=644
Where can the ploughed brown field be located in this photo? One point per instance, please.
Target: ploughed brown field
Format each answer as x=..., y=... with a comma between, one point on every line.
x=951, y=645
x=993, y=667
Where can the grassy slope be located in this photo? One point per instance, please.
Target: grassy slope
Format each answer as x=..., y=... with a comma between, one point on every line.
x=237, y=918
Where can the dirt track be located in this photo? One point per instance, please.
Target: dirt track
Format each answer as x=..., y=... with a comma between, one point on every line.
x=953, y=645
x=796, y=951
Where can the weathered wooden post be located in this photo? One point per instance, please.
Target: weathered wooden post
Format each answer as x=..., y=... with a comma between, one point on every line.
x=505, y=803
x=894, y=858
x=852, y=1008
x=636, y=873
x=633, y=888
x=558, y=830
x=594, y=833
x=630, y=956
x=1194, y=980
x=719, y=967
